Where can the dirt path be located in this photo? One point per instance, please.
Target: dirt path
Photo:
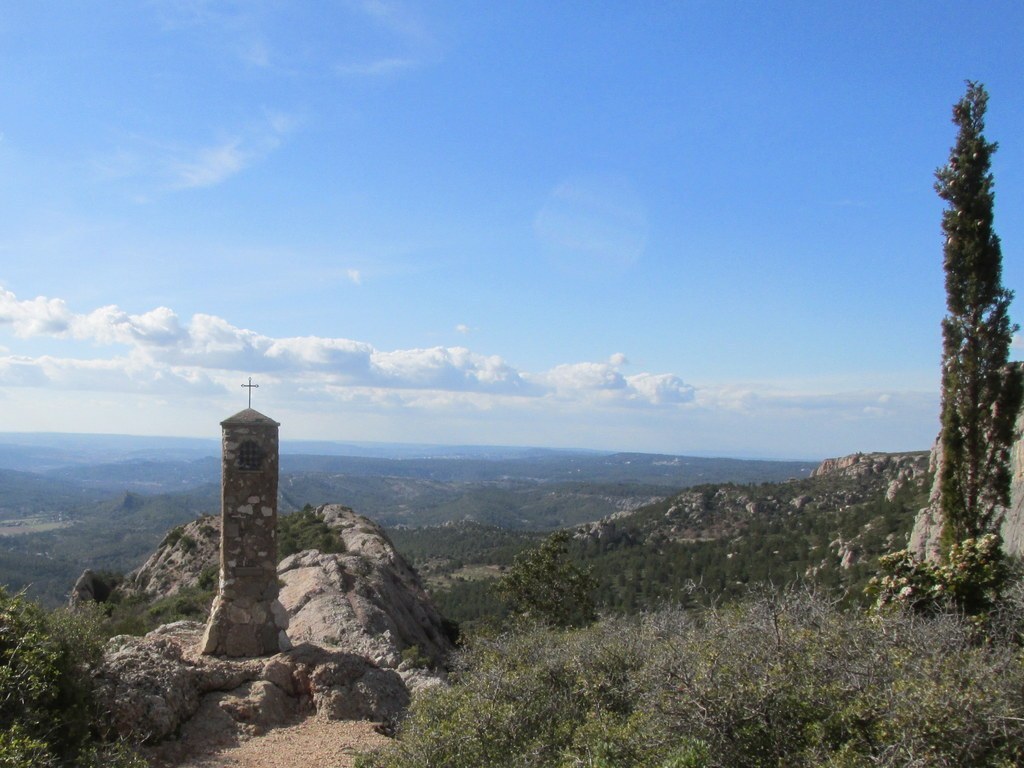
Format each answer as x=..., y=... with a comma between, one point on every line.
x=313, y=742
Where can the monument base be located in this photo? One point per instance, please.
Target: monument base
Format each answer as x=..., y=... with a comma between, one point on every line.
x=242, y=628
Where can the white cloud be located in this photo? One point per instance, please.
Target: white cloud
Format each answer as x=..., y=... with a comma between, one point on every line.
x=109, y=324
x=159, y=342
x=211, y=165
x=156, y=353
x=117, y=374
x=18, y=371
x=462, y=328
x=804, y=403
x=606, y=383
x=34, y=317
x=162, y=166
x=661, y=388
x=355, y=276
x=571, y=377
x=444, y=368
x=208, y=166
x=403, y=38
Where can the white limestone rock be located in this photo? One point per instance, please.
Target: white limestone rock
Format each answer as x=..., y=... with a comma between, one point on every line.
x=366, y=600
x=159, y=686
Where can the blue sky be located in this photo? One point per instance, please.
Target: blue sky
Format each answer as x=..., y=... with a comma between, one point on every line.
x=691, y=227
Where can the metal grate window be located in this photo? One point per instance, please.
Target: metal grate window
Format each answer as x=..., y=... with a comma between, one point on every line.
x=250, y=456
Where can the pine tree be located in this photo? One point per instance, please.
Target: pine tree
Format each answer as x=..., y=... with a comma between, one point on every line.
x=981, y=393
x=545, y=585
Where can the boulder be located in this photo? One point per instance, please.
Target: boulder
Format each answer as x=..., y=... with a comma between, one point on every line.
x=364, y=631
x=90, y=588
x=158, y=686
x=365, y=600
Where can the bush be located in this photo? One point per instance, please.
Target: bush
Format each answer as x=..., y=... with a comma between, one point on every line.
x=306, y=530
x=191, y=603
x=19, y=750
x=971, y=579
x=782, y=679
x=172, y=536
x=209, y=577
x=44, y=663
x=46, y=707
x=540, y=698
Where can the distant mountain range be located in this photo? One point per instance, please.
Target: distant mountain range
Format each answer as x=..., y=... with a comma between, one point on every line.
x=153, y=465
x=68, y=502
x=34, y=451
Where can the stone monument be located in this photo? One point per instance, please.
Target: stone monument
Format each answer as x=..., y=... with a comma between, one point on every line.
x=246, y=618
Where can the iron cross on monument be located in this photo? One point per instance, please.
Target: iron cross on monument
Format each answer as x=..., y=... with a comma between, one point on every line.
x=250, y=386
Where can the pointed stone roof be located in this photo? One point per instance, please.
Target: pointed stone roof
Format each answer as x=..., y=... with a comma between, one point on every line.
x=249, y=416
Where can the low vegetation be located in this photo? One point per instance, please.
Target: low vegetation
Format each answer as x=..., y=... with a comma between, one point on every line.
x=47, y=715
x=304, y=530
x=779, y=679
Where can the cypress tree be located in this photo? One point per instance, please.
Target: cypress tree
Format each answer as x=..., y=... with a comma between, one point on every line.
x=981, y=393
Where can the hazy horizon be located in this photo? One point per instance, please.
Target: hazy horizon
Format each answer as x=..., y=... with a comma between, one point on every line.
x=385, y=449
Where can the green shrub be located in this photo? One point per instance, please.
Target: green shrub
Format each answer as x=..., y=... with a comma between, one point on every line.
x=187, y=603
x=172, y=536
x=111, y=755
x=19, y=750
x=791, y=680
x=971, y=579
x=209, y=577
x=46, y=707
x=306, y=530
x=416, y=658
x=137, y=615
x=781, y=679
x=545, y=697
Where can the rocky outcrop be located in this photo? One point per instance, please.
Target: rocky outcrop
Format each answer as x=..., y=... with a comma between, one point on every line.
x=187, y=554
x=365, y=635
x=158, y=686
x=365, y=600
x=898, y=468
x=927, y=531
x=90, y=588
x=841, y=502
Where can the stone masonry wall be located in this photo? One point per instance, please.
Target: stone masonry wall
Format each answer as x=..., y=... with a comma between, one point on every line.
x=246, y=618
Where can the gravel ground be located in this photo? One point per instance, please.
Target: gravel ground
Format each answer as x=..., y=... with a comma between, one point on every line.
x=313, y=742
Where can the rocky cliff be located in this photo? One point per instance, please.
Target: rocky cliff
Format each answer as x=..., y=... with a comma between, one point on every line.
x=927, y=532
